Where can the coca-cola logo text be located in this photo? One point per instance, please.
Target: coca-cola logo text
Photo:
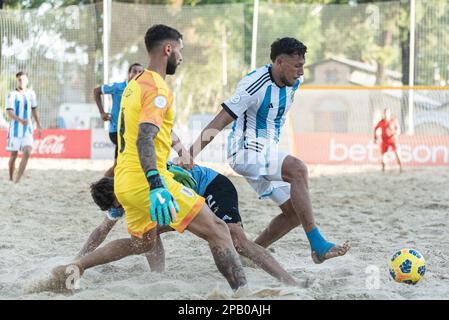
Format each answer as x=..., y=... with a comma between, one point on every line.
x=51, y=144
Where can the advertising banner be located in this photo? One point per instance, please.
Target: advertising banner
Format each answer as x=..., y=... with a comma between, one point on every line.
x=101, y=145
x=326, y=148
x=55, y=143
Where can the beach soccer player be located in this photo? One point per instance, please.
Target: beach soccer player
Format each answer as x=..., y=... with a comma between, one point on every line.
x=21, y=108
x=390, y=130
x=115, y=90
x=258, y=110
x=143, y=185
x=221, y=197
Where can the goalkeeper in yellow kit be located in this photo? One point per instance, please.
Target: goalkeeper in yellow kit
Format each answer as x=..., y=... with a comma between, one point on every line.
x=143, y=185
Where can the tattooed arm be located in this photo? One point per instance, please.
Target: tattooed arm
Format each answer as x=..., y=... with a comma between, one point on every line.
x=145, y=146
x=163, y=207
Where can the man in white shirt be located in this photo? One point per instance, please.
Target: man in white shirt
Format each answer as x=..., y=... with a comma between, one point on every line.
x=258, y=111
x=21, y=108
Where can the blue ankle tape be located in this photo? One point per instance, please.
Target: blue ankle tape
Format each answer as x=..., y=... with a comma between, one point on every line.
x=318, y=243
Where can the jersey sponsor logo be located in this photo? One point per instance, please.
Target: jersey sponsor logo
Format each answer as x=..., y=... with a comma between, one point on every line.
x=102, y=145
x=226, y=217
x=187, y=192
x=235, y=98
x=160, y=102
x=211, y=203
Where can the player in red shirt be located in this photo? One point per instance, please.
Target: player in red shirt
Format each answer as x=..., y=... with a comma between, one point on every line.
x=390, y=132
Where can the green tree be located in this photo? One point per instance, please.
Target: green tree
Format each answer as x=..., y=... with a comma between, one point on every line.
x=432, y=43
x=52, y=51
x=207, y=30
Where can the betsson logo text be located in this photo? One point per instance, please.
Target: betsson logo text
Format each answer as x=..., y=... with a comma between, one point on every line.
x=419, y=153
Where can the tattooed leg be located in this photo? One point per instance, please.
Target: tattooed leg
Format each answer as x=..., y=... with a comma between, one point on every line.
x=208, y=227
x=228, y=263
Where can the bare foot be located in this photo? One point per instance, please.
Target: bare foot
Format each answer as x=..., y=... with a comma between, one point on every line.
x=63, y=279
x=336, y=251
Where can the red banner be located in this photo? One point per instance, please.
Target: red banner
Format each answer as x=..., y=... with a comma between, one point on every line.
x=56, y=144
x=327, y=148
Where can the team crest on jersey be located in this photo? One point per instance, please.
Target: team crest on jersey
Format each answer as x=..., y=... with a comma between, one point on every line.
x=187, y=192
x=235, y=98
x=160, y=102
x=128, y=92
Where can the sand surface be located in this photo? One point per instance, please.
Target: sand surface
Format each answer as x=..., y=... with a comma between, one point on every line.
x=47, y=217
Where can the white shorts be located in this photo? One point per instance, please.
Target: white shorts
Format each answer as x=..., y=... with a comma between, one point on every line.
x=263, y=171
x=17, y=144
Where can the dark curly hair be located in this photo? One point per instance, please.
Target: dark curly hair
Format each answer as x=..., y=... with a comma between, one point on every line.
x=102, y=192
x=288, y=46
x=158, y=33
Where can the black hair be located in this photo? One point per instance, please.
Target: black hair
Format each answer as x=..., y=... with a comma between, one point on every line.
x=158, y=33
x=135, y=64
x=102, y=192
x=21, y=73
x=288, y=46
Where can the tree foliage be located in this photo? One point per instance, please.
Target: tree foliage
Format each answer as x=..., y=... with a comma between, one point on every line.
x=377, y=33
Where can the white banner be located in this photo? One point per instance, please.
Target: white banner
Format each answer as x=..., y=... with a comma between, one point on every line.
x=101, y=146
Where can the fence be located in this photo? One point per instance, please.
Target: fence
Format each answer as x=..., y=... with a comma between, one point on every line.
x=335, y=125
x=359, y=45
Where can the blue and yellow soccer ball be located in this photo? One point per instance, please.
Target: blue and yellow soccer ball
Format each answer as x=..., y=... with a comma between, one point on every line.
x=407, y=266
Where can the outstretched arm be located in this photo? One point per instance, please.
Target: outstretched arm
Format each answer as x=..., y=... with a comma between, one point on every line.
x=184, y=159
x=97, y=237
x=232, y=108
x=178, y=146
x=221, y=120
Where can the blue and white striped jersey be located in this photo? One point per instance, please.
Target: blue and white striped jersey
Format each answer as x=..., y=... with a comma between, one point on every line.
x=259, y=108
x=21, y=104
